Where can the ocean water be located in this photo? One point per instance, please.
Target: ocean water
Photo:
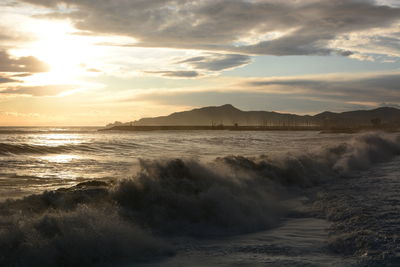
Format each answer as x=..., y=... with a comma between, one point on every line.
x=77, y=196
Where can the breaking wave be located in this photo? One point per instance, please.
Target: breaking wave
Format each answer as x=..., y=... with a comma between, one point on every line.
x=127, y=220
x=81, y=237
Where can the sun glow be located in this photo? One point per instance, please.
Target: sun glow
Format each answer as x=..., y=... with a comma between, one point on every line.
x=61, y=158
x=63, y=51
x=59, y=139
x=58, y=44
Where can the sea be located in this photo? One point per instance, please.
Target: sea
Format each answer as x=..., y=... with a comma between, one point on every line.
x=77, y=196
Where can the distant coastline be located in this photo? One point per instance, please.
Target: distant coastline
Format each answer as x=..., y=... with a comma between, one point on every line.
x=250, y=128
x=203, y=127
x=227, y=117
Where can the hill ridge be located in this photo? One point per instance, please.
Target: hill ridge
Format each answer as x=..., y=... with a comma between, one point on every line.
x=227, y=115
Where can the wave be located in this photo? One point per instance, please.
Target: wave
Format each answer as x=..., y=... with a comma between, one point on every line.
x=82, y=237
x=16, y=149
x=19, y=149
x=47, y=131
x=172, y=197
x=44, y=130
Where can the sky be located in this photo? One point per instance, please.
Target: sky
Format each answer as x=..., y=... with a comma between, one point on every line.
x=92, y=62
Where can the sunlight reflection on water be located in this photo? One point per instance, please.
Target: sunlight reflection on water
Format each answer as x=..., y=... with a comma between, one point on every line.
x=63, y=158
x=43, y=158
x=58, y=139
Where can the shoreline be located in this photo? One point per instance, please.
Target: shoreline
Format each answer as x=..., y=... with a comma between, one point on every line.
x=323, y=130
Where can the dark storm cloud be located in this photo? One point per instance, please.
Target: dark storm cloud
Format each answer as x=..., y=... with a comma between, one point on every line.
x=309, y=25
x=21, y=64
x=176, y=74
x=45, y=90
x=217, y=62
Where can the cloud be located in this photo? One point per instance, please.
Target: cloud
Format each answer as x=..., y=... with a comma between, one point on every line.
x=18, y=114
x=9, y=34
x=383, y=41
x=93, y=70
x=176, y=74
x=304, y=94
x=44, y=90
x=5, y=79
x=392, y=105
x=205, y=64
x=21, y=64
x=217, y=62
x=4, y=37
x=293, y=27
x=21, y=75
x=244, y=100
x=381, y=87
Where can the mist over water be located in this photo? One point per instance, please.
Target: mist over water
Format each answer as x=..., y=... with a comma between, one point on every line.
x=157, y=194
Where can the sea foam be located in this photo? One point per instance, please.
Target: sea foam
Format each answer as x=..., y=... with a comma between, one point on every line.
x=127, y=220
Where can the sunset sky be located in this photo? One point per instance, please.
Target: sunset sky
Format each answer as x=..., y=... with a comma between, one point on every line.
x=91, y=62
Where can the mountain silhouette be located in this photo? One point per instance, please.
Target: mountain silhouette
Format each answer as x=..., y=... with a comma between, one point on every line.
x=230, y=115
x=219, y=115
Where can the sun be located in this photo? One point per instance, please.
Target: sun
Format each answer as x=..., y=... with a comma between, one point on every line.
x=59, y=47
x=58, y=44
